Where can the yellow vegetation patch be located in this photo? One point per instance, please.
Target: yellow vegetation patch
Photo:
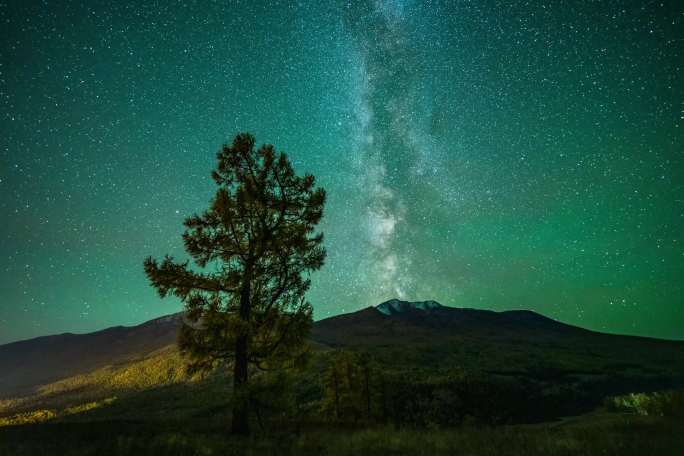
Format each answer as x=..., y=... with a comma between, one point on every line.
x=39, y=416
x=87, y=406
x=35, y=416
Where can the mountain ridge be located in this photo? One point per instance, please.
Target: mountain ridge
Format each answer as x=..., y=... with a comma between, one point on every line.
x=25, y=365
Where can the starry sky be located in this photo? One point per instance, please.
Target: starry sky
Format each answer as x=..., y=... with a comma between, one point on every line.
x=496, y=155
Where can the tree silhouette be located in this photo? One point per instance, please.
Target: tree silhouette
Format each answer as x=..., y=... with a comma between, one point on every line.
x=347, y=384
x=253, y=251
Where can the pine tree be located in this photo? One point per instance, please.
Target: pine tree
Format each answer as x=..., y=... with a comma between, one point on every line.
x=347, y=386
x=253, y=250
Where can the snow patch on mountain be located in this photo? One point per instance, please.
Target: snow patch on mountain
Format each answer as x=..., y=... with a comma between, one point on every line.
x=394, y=306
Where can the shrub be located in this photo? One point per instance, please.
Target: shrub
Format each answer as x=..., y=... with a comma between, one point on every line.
x=663, y=403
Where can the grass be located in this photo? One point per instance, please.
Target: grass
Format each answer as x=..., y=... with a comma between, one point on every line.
x=183, y=420
x=599, y=434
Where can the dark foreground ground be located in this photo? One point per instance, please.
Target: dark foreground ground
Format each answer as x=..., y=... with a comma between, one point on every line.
x=600, y=433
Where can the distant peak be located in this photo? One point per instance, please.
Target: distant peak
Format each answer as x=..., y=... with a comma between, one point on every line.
x=394, y=306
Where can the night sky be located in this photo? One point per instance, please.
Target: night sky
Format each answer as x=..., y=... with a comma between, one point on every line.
x=481, y=154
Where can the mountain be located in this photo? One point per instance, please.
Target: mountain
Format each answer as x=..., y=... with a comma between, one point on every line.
x=402, y=322
x=27, y=364
x=516, y=343
x=400, y=334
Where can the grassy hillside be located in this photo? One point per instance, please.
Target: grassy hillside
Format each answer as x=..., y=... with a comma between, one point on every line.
x=163, y=367
x=434, y=382
x=26, y=365
x=158, y=410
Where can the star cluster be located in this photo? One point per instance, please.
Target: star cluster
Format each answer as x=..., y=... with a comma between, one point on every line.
x=497, y=155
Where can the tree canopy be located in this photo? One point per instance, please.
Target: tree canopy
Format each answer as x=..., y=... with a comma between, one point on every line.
x=253, y=251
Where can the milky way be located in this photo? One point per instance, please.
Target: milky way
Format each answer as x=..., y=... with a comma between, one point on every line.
x=480, y=154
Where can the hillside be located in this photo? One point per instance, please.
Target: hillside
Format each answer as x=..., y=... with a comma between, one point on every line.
x=521, y=351
x=125, y=390
x=24, y=365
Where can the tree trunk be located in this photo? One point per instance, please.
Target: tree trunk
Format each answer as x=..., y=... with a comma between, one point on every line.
x=366, y=391
x=240, y=423
x=336, y=387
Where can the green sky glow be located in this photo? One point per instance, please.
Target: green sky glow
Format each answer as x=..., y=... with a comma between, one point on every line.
x=478, y=154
